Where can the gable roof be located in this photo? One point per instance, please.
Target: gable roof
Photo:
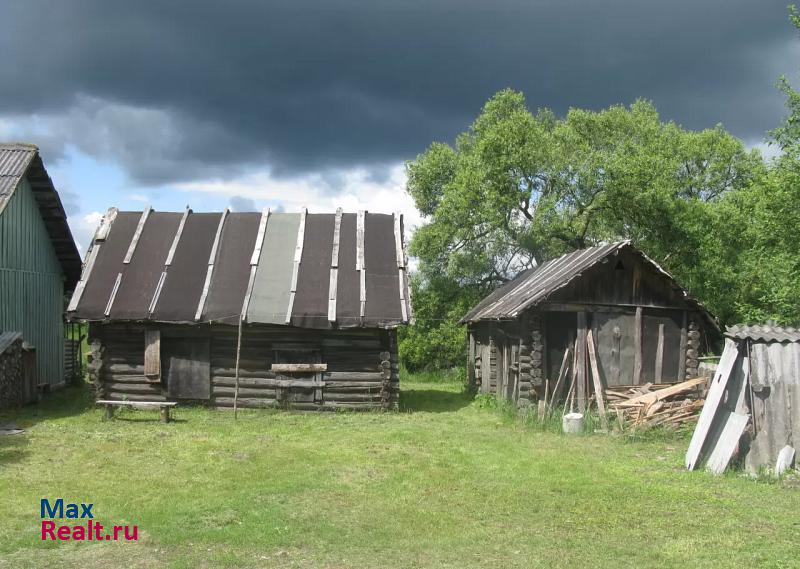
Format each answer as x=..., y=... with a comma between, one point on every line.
x=300, y=269
x=537, y=284
x=23, y=160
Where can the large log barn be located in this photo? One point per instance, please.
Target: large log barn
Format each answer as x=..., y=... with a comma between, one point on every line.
x=530, y=335
x=266, y=309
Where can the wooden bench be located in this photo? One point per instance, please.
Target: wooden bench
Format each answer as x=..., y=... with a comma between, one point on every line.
x=163, y=405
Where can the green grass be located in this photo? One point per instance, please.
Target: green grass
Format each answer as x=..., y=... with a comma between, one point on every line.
x=442, y=483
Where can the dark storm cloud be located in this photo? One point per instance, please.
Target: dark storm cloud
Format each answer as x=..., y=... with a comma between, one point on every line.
x=175, y=91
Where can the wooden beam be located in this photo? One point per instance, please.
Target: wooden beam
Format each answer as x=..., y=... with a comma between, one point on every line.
x=100, y=236
x=136, y=235
x=152, y=355
x=299, y=368
x=113, y=294
x=598, y=384
x=562, y=375
x=262, y=229
x=177, y=238
x=334, y=277
x=660, y=355
x=360, y=260
x=637, y=347
x=167, y=262
x=298, y=255
x=580, y=352
x=401, y=266
x=254, y=259
x=210, y=270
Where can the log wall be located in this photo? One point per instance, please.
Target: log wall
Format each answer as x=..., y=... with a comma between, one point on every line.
x=362, y=366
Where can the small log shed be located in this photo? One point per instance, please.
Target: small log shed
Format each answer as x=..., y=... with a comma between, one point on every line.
x=644, y=327
x=246, y=309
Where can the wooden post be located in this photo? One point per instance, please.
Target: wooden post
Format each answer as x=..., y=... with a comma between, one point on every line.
x=386, y=379
x=471, y=360
x=660, y=355
x=165, y=414
x=598, y=385
x=109, y=412
x=580, y=378
x=637, y=347
x=238, y=355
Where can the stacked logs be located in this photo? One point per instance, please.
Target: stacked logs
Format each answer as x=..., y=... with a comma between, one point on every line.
x=692, y=349
x=11, y=380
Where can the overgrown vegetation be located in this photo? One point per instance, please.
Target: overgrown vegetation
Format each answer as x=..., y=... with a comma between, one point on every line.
x=521, y=187
x=442, y=483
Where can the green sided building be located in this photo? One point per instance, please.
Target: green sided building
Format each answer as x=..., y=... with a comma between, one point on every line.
x=39, y=261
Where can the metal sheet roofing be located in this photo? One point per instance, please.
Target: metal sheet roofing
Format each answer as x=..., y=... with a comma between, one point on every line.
x=270, y=268
x=537, y=284
x=763, y=333
x=22, y=160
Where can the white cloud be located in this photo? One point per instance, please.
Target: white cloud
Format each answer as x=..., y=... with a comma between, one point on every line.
x=352, y=190
x=138, y=198
x=83, y=228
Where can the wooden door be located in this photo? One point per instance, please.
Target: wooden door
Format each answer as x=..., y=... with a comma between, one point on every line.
x=306, y=387
x=614, y=333
x=187, y=367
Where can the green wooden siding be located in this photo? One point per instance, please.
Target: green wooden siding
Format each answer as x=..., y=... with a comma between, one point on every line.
x=31, y=283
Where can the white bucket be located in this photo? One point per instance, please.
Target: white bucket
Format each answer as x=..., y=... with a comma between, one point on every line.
x=573, y=423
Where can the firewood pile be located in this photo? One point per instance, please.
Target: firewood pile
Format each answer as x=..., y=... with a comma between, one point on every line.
x=651, y=405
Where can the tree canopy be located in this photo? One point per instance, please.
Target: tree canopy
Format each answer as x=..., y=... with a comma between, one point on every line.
x=520, y=187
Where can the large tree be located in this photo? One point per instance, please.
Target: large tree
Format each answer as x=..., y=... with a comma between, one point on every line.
x=519, y=188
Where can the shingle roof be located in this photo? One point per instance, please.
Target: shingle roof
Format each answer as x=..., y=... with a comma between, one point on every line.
x=537, y=284
x=300, y=269
x=18, y=160
x=763, y=333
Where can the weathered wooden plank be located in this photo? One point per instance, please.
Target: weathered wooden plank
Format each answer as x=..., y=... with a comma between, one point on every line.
x=210, y=270
x=637, y=347
x=298, y=255
x=262, y=228
x=126, y=387
x=87, y=271
x=598, y=385
x=580, y=368
x=713, y=399
x=132, y=397
x=290, y=368
x=113, y=294
x=177, y=238
x=157, y=293
x=142, y=403
x=136, y=235
x=398, y=241
x=152, y=355
x=727, y=443
x=562, y=375
x=659, y=376
x=251, y=392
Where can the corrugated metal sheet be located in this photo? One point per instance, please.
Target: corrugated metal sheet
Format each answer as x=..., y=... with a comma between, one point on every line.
x=31, y=283
x=537, y=284
x=270, y=301
x=775, y=381
x=763, y=333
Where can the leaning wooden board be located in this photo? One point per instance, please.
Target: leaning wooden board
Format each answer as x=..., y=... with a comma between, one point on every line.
x=715, y=392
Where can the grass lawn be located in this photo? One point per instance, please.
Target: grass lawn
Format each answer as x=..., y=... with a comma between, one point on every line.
x=443, y=483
